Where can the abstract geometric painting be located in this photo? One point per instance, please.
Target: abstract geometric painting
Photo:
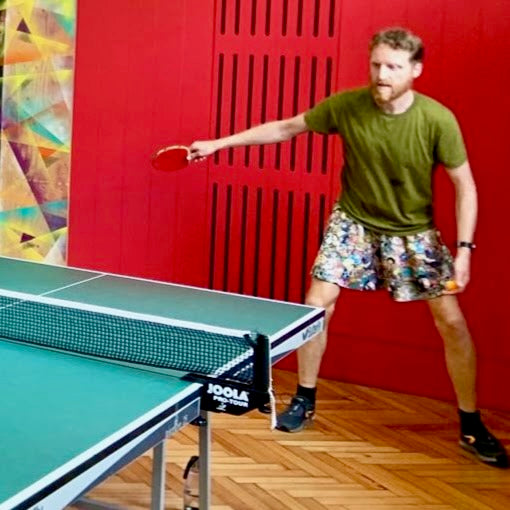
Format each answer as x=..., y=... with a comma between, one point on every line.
x=37, y=38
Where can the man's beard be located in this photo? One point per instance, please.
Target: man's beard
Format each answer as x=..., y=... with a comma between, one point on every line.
x=387, y=94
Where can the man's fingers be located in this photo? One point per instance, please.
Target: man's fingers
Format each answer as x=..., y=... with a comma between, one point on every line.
x=196, y=159
x=456, y=285
x=195, y=153
x=200, y=150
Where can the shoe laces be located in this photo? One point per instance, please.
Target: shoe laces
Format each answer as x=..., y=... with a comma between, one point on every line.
x=298, y=405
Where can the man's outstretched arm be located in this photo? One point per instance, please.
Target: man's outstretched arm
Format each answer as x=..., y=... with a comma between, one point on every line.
x=270, y=132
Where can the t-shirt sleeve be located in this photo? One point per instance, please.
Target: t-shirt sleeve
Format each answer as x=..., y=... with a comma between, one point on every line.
x=450, y=148
x=322, y=118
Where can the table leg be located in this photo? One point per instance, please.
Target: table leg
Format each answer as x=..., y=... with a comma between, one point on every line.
x=204, y=445
x=158, y=476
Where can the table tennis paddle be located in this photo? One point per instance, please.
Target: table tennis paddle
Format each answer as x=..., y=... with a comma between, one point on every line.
x=170, y=158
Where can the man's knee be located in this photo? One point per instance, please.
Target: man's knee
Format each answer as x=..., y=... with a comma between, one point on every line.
x=318, y=300
x=451, y=322
x=323, y=295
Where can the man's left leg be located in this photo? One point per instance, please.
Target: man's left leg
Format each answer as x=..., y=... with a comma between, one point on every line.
x=461, y=364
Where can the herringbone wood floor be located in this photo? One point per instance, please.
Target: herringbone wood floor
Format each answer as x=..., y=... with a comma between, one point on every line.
x=368, y=450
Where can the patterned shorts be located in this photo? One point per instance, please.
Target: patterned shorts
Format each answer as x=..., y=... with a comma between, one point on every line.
x=410, y=267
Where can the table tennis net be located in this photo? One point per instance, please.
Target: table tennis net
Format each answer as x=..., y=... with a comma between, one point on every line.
x=128, y=339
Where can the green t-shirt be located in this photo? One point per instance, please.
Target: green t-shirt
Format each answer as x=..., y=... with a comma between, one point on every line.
x=387, y=174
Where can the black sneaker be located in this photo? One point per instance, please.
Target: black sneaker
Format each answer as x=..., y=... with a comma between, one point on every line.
x=297, y=416
x=486, y=447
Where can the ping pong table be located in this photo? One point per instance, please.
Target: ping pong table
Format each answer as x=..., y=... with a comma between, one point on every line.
x=98, y=368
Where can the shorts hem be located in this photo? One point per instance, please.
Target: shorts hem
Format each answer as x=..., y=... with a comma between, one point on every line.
x=416, y=297
x=398, y=299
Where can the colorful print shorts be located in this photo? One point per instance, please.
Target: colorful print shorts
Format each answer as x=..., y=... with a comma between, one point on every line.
x=410, y=267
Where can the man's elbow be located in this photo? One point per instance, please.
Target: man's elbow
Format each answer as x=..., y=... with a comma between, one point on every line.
x=289, y=128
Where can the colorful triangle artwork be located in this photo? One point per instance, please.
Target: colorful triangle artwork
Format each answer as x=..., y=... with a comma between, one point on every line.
x=36, y=101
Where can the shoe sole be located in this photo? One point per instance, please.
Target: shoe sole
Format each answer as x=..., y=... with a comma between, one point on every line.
x=493, y=461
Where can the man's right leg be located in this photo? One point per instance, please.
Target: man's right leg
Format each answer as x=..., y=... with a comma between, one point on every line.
x=302, y=407
x=324, y=295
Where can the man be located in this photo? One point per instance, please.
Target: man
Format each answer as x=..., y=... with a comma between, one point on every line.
x=381, y=232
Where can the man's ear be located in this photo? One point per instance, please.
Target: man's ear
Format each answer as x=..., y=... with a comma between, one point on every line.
x=417, y=69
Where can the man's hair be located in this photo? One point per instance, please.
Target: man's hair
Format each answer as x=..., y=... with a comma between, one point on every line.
x=400, y=39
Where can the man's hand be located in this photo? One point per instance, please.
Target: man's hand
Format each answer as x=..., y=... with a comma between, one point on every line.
x=199, y=150
x=462, y=270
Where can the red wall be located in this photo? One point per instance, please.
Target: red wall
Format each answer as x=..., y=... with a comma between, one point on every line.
x=250, y=220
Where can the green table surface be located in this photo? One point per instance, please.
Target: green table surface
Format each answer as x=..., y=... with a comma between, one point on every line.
x=55, y=406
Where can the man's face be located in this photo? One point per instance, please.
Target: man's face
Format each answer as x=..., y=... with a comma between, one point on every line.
x=391, y=73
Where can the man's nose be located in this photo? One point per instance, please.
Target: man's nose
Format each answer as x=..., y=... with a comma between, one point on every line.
x=383, y=73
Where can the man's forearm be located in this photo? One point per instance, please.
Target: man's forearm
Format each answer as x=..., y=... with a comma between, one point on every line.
x=466, y=205
x=466, y=201
x=466, y=212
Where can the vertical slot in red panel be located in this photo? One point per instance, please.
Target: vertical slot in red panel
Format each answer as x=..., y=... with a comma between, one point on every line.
x=219, y=100
x=223, y=16
x=233, y=105
x=212, y=234
x=226, y=238
x=237, y=16
x=295, y=108
x=316, y=18
x=249, y=105
x=288, y=246
x=285, y=15
x=332, y=18
x=267, y=30
x=299, y=18
x=253, y=24
x=258, y=236
x=263, y=107
x=305, y=248
x=274, y=234
x=242, y=240
x=279, y=115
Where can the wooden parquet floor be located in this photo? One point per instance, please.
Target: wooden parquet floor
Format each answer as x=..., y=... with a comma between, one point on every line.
x=368, y=450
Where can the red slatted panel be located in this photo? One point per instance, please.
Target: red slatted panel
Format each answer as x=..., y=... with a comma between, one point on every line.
x=273, y=60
